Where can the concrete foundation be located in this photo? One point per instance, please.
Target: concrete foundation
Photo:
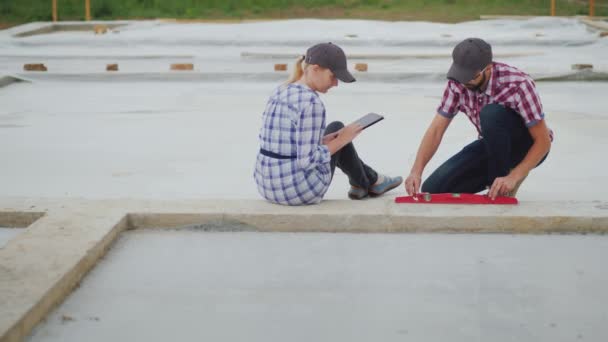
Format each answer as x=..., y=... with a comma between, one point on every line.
x=159, y=285
x=6, y=234
x=43, y=264
x=79, y=148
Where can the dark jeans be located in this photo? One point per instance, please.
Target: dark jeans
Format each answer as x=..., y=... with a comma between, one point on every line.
x=359, y=174
x=505, y=143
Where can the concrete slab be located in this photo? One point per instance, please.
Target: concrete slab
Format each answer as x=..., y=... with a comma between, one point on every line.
x=555, y=31
x=541, y=46
x=159, y=139
x=77, y=153
x=163, y=284
x=8, y=80
x=44, y=28
x=129, y=147
x=596, y=23
x=6, y=234
x=42, y=265
x=197, y=75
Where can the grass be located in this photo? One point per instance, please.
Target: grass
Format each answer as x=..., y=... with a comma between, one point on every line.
x=20, y=11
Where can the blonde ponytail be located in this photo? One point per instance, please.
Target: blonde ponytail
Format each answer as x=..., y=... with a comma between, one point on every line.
x=298, y=70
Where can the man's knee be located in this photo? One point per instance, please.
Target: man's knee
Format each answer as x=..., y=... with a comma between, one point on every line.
x=334, y=127
x=429, y=187
x=433, y=184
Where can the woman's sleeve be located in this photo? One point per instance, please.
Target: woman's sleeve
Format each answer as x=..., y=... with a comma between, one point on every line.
x=309, y=131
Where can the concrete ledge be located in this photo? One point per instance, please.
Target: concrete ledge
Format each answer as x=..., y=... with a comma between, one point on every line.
x=296, y=44
x=44, y=264
x=595, y=24
x=97, y=57
x=581, y=75
x=445, y=40
x=385, y=56
x=194, y=76
x=41, y=266
x=385, y=216
x=33, y=29
x=8, y=80
x=527, y=17
x=17, y=219
x=372, y=223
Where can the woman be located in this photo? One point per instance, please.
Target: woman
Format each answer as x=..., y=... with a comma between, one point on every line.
x=298, y=154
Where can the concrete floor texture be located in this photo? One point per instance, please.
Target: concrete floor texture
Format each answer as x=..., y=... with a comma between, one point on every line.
x=339, y=287
x=156, y=165
x=6, y=234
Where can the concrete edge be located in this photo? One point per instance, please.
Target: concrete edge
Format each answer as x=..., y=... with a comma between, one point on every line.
x=582, y=75
x=104, y=58
x=8, y=80
x=594, y=23
x=91, y=227
x=202, y=76
x=386, y=56
x=515, y=17
x=369, y=223
x=37, y=28
x=599, y=224
x=18, y=219
x=23, y=325
x=526, y=17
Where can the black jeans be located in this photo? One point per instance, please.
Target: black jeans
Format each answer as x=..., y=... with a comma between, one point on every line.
x=505, y=143
x=359, y=174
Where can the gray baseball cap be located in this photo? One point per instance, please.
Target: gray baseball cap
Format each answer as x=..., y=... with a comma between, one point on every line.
x=469, y=57
x=330, y=56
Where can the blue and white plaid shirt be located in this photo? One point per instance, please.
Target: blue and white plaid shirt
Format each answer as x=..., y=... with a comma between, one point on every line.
x=293, y=125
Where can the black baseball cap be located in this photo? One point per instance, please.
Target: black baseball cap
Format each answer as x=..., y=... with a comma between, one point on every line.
x=332, y=57
x=469, y=57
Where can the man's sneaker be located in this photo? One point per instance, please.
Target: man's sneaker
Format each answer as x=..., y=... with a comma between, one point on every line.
x=388, y=183
x=357, y=193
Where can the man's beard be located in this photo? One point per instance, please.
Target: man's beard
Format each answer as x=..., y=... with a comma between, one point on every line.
x=477, y=88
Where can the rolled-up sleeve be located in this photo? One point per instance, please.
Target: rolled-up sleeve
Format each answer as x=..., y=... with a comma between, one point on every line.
x=309, y=130
x=528, y=104
x=450, y=103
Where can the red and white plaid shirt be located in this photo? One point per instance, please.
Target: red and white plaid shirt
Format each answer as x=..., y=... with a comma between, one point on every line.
x=508, y=86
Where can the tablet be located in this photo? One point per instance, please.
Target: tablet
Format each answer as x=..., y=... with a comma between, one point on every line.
x=369, y=119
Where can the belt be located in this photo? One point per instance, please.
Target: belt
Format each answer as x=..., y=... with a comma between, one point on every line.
x=275, y=155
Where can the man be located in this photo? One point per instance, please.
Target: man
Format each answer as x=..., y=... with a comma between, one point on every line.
x=503, y=104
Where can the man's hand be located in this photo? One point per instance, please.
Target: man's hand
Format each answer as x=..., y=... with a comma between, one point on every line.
x=503, y=186
x=412, y=183
x=542, y=143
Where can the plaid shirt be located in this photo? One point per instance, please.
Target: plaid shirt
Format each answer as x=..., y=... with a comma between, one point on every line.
x=293, y=125
x=507, y=86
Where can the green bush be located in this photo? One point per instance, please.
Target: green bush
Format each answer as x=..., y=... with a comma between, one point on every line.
x=450, y=10
x=103, y=11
